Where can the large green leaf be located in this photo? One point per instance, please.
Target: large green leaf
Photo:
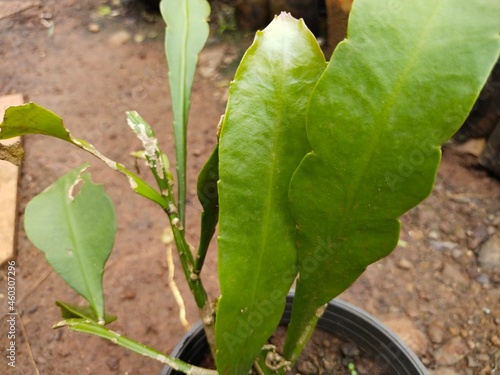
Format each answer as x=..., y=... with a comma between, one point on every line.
x=32, y=118
x=186, y=34
x=400, y=85
x=262, y=141
x=73, y=222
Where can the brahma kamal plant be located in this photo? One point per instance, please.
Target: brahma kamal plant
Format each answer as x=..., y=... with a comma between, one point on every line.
x=315, y=163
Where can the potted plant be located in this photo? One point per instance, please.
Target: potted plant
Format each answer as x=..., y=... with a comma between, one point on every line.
x=315, y=163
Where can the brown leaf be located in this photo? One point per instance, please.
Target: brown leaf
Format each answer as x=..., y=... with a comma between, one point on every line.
x=13, y=153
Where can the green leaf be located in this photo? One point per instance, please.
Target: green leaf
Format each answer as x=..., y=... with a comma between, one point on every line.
x=186, y=34
x=71, y=311
x=34, y=119
x=31, y=118
x=262, y=141
x=89, y=327
x=209, y=199
x=400, y=85
x=76, y=231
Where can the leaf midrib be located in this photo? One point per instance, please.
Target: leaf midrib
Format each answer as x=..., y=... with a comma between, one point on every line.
x=76, y=248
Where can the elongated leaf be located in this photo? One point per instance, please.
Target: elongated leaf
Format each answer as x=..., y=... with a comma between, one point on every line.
x=86, y=326
x=72, y=311
x=186, y=34
x=400, y=85
x=262, y=142
x=76, y=231
x=209, y=198
x=34, y=119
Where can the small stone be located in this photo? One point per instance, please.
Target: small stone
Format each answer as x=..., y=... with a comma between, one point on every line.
x=453, y=275
x=119, y=38
x=94, y=28
x=442, y=245
x=404, y=264
x=350, y=349
x=416, y=234
x=113, y=363
x=445, y=227
x=477, y=236
x=409, y=333
x=327, y=365
x=65, y=352
x=495, y=340
x=483, y=357
x=453, y=351
x=40, y=360
x=489, y=254
x=433, y=235
x=482, y=278
x=128, y=294
x=326, y=343
x=139, y=37
x=307, y=368
x=436, y=331
x=472, y=362
x=32, y=309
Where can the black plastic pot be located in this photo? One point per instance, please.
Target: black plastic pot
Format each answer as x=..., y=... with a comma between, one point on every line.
x=342, y=320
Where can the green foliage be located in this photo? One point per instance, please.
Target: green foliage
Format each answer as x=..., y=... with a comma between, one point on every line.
x=32, y=118
x=90, y=327
x=315, y=165
x=186, y=34
x=375, y=122
x=151, y=153
x=262, y=141
x=209, y=198
x=72, y=311
x=73, y=222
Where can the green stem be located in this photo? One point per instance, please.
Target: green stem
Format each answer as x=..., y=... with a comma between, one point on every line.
x=194, y=281
x=159, y=166
x=87, y=326
x=294, y=346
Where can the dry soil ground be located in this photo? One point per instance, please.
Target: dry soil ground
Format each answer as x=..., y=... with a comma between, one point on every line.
x=433, y=289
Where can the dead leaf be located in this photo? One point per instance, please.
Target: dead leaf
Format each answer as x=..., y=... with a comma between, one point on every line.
x=13, y=153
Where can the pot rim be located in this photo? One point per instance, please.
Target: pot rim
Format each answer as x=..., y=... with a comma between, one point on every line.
x=341, y=319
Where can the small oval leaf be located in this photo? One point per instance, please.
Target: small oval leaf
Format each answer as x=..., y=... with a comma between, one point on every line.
x=73, y=222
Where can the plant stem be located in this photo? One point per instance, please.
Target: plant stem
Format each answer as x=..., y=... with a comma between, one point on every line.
x=159, y=165
x=207, y=311
x=87, y=326
x=293, y=348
